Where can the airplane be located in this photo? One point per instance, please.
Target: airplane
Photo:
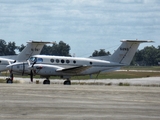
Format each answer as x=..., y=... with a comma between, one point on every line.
x=65, y=67
x=32, y=48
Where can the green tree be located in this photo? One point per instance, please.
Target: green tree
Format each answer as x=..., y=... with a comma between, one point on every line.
x=158, y=54
x=102, y=52
x=60, y=49
x=2, y=47
x=7, y=49
x=10, y=48
x=20, y=48
x=138, y=58
x=47, y=50
x=147, y=56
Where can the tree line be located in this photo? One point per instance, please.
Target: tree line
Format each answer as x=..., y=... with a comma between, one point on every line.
x=148, y=56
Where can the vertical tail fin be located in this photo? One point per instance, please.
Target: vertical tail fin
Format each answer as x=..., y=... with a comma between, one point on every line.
x=32, y=48
x=125, y=53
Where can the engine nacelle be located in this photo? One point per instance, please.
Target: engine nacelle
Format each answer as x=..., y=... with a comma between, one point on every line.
x=45, y=70
x=19, y=68
x=39, y=69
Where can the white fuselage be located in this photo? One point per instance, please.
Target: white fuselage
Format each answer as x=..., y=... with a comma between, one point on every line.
x=54, y=66
x=71, y=66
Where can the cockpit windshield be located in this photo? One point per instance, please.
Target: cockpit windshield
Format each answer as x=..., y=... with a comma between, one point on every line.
x=33, y=59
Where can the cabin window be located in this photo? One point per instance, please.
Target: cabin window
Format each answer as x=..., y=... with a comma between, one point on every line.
x=74, y=61
x=67, y=61
x=52, y=60
x=62, y=61
x=0, y=61
x=39, y=60
x=57, y=60
x=91, y=63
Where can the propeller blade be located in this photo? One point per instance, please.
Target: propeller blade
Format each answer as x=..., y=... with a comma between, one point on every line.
x=31, y=76
x=9, y=62
x=28, y=62
x=11, y=75
x=31, y=67
x=33, y=64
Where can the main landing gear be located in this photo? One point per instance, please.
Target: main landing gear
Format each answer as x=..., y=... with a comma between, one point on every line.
x=47, y=81
x=67, y=82
x=9, y=80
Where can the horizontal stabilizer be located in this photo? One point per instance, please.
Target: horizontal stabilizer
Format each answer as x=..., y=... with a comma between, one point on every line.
x=42, y=42
x=137, y=41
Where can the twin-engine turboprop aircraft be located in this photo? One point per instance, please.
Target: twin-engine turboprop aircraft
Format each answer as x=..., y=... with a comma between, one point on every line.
x=32, y=48
x=65, y=67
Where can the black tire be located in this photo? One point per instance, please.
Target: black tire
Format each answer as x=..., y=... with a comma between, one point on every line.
x=67, y=82
x=46, y=82
x=9, y=81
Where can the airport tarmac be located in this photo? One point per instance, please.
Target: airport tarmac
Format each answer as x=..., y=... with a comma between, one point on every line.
x=78, y=102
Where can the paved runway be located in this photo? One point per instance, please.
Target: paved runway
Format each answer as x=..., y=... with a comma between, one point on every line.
x=78, y=102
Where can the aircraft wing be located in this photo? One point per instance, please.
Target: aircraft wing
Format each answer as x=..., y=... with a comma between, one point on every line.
x=77, y=69
x=4, y=62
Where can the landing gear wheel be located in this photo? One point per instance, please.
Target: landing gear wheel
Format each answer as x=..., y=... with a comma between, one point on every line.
x=8, y=80
x=67, y=82
x=46, y=82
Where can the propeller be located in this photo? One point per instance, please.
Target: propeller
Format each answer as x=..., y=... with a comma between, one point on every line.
x=31, y=71
x=11, y=75
x=31, y=76
x=10, y=71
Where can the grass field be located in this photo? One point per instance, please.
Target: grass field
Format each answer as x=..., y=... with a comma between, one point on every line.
x=121, y=75
x=127, y=74
x=154, y=68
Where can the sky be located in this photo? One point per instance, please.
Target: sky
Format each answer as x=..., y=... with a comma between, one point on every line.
x=85, y=25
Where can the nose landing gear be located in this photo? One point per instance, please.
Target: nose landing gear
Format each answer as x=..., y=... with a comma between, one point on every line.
x=67, y=82
x=47, y=81
x=9, y=80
